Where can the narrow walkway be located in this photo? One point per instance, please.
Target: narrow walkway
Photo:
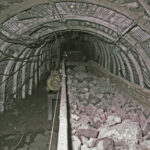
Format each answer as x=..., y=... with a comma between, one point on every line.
x=26, y=127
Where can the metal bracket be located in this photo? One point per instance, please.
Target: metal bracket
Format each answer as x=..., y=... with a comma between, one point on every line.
x=57, y=12
x=50, y=98
x=127, y=30
x=60, y=17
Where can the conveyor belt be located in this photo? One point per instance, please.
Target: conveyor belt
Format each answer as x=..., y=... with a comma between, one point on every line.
x=100, y=113
x=63, y=123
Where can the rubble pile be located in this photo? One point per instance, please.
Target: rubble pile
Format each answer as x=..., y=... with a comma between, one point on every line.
x=103, y=119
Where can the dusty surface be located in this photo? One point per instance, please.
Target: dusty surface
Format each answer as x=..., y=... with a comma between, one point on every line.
x=26, y=127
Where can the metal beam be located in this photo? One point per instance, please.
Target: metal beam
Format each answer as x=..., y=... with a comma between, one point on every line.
x=127, y=30
x=145, y=6
x=63, y=122
x=57, y=12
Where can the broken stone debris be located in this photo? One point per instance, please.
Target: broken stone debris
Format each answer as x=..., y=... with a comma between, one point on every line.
x=102, y=118
x=76, y=143
x=146, y=144
x=112, y=120
x=75, y=117
x=127, y=131
x=88, y=133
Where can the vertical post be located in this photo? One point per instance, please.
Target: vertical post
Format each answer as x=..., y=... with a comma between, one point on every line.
x=58, y=52
x=23, y=90
x=63, y=124
x=50, y=99
x=50, y=107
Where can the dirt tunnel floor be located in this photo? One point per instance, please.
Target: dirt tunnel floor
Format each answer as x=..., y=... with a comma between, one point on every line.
x=26, y=127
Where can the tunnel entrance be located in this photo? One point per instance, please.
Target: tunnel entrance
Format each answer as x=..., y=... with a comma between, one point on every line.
x=77, y=47
x=36, y=35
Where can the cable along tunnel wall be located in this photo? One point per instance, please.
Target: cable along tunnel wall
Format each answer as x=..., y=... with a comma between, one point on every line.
x=23, y=72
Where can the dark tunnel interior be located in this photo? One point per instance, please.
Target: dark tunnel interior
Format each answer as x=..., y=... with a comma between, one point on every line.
x=76, y=46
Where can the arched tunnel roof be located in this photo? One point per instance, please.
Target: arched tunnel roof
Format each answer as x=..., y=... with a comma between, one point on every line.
x=28, y=30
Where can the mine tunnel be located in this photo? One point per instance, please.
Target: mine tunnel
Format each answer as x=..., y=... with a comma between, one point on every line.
x=74, y=75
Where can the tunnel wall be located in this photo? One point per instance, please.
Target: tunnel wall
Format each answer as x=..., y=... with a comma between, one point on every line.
x=25, y=74
x=129, y=90
x=25, y=27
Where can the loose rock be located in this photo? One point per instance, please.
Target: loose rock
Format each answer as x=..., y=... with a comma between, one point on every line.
x=75, y=117
x=105, y=144
x=146, y=144
x=76, y=143
x=91, y=142
x=112, y=120
x=127, y=131
x=89, y=133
